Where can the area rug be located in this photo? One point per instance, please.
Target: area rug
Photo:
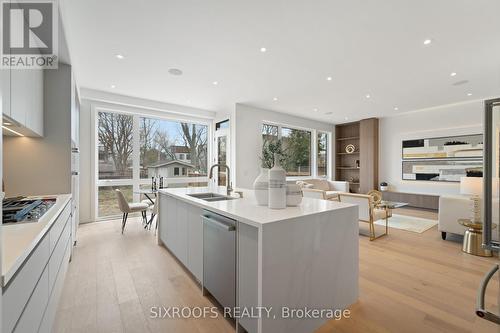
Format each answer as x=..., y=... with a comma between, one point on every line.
x=409, y=223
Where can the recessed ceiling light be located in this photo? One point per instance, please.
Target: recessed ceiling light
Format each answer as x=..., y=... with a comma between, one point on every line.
x=275, y=99
x=113, y=86
x=175, y=71
x=329, y=78
x=215, y=83
x=367, y=96
x=453, y=74
x=427, y=41
x=469, y=94
x=120, y=56
x=459, y=83
x=263, y=49
x=396, y=108
x=315, y=109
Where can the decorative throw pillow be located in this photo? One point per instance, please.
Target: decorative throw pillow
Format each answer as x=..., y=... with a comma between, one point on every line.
x=303, y=184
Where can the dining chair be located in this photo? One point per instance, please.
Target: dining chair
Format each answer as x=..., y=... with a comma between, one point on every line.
x=126, y=207
x=368, y=211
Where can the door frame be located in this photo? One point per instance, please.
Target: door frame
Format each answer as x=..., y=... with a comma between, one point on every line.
x=221, y=132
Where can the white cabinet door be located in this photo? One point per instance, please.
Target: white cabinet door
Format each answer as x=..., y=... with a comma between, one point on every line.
x=34, y=113
x=182, y=231
x=195, y=242
x=171, y=225
x=163, y=218
x=5, y=85
x=33, y=312
x=26, y=99
x=20, y=101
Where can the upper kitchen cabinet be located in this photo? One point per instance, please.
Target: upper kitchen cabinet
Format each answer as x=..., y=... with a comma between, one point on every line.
x=5, y=81
x=23, y=100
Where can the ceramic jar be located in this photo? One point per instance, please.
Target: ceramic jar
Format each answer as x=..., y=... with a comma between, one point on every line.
x=277, y=186
x=261, y=187
x=293, y=195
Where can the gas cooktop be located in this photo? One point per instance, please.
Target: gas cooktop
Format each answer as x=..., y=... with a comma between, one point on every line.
x=24, y=210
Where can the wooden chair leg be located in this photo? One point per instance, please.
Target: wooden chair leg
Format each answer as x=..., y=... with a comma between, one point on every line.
x=372, y=231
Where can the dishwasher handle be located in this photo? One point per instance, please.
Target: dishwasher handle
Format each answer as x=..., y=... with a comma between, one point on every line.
x=480, y=310
x=218, y=224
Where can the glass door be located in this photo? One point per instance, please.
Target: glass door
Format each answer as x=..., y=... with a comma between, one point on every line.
x=221, y=156
x=491, y=203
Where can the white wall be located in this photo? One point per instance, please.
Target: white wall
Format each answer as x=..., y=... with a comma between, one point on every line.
x=247, y=146
x=93, y=98
x=457, y=119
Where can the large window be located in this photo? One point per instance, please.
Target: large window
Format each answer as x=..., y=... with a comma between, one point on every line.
x=114, y=145
x=131, y=149
x=322, y=155
x=299, y=147
x=166, y=145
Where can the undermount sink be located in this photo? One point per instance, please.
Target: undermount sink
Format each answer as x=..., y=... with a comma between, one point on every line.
x=211, y=196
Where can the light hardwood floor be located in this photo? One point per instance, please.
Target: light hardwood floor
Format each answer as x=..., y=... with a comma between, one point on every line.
x=408, y=283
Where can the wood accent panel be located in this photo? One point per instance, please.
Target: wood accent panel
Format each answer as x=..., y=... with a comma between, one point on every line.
x=426, y=201
x=364, y=136
x=368, y=145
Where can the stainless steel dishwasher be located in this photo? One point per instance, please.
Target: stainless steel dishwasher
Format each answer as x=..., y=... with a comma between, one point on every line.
x=219, y=258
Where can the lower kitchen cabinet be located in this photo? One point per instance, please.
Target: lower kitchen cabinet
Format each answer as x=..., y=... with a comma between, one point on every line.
x=181, y=231
x=31, y=297
x=195, y=242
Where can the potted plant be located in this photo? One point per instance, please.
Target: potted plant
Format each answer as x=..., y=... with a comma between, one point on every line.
x=261, y=183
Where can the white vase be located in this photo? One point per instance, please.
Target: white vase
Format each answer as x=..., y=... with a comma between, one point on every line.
x=261, y=187
x=277, y=186
x=293, y=195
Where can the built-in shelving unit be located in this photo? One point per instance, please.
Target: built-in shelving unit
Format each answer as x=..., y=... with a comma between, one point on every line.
x=359, y=168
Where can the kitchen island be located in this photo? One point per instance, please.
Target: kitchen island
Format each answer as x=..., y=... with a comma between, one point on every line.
x=288, y=262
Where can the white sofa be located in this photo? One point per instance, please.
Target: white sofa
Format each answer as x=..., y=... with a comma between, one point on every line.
x=452, y=208
x=323, y=188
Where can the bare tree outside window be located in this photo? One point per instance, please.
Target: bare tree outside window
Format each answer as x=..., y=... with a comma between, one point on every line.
x=115, y=145
x=195, y=138
x=164, y=141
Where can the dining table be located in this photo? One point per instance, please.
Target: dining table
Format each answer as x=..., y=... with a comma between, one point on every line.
x=148, y=193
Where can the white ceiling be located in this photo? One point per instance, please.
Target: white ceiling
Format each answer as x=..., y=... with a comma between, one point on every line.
x=367, y=47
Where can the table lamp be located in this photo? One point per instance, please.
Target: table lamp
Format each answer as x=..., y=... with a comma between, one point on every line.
x=473, y=186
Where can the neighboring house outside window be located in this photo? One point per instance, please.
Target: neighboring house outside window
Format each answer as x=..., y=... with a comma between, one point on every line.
x=172, y=168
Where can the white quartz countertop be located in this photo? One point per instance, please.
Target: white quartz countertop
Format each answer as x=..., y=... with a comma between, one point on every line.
x=246, y=209
x=19, y=240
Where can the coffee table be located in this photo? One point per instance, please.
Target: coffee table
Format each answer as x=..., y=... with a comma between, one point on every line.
x=390, y=205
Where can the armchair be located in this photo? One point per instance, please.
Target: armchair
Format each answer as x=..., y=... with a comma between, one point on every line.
x=367, y=211
x=323, y=188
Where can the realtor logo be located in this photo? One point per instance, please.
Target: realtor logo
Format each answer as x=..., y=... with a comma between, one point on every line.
x=29, y=34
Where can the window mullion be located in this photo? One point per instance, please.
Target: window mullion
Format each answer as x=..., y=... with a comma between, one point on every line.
x=135, y=157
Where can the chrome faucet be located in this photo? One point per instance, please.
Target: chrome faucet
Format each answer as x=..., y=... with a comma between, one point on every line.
x=228, y=179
